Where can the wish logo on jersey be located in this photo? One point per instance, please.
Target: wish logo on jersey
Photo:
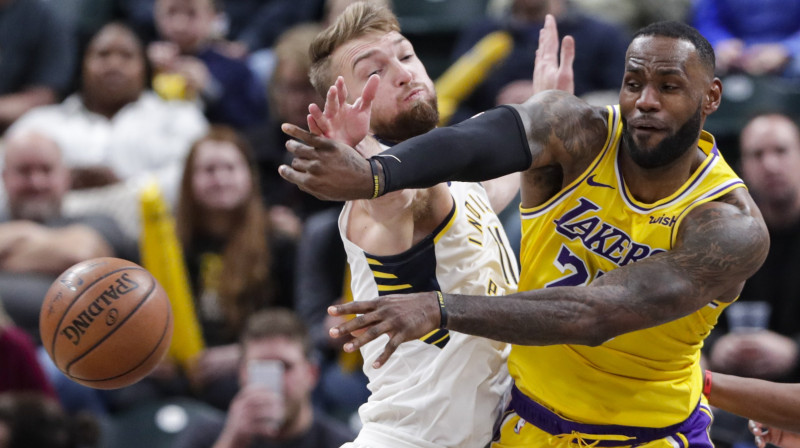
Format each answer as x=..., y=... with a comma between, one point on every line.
x=601, y=237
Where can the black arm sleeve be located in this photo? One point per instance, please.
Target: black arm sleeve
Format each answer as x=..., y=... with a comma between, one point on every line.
x=487, y=146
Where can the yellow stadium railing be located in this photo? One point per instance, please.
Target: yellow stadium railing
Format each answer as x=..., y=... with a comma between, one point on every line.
x=458, y=81
x=161, y=254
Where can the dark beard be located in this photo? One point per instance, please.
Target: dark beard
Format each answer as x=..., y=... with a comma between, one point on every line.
x=421, y=118
x=670, y=149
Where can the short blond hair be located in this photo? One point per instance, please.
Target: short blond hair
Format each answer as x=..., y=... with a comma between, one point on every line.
x=359, y=19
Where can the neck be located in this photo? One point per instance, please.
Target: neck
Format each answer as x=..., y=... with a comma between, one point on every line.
x=649, y=185
x=219, y=224
x=103, y=108
x=299, y=425
x=781, y=214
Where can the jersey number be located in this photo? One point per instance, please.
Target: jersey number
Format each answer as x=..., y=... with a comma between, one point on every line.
x=570, y=264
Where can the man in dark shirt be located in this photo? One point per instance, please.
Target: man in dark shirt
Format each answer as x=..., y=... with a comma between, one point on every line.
x=762, y=338
x=271, y=411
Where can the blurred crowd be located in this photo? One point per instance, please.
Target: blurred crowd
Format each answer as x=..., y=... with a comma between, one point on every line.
x=101, y=98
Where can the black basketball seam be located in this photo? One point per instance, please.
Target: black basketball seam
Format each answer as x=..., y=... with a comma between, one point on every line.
x=78, y=296
x=160, y=339
x=133, y=311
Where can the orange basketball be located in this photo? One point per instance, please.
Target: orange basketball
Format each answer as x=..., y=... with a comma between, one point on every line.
x=106, y=323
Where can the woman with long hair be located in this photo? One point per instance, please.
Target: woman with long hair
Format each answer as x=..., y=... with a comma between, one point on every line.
x=237, y=265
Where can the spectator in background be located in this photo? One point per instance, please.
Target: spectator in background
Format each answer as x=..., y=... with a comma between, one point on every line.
x=768, y=309
x=230, y=92
x=38, y=57
x=114, y=129
x=757, y=37
x=260, y=415
x=289, y=92
x=635, y=14
x=599, y=55
x=237, y=265
x=758, y=334
x=37, y=242
x=21, y=370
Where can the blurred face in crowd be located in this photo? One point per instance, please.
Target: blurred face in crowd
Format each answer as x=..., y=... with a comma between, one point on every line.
x=114, y=68
x=770, y=154
x=292, y=92
x=405, y=104
x=221, y=179
x=35, y=177
x=187, y=23
x=299, y=373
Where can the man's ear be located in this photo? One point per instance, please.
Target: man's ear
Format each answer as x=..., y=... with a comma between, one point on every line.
x=712, y=97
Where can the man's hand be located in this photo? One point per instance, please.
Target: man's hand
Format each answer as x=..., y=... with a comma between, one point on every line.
x=255, y=412
x=325, y=168
x=775, y=436
x=402, y=317
x=548, y=73
x=214, y=363
x=765, y=59
x=340, y=121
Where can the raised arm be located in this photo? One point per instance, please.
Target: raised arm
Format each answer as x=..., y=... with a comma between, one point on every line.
x=552, y=127
x=719, y=245
x=551, y=70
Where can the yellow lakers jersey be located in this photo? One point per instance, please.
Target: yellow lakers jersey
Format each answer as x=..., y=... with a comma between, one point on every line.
x=645, y=378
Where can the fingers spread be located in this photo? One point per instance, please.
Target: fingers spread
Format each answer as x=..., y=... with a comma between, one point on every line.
x=313, y=126
x=369, y=92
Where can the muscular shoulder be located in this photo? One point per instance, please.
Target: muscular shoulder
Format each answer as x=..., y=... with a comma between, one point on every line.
x=563, y=129
x=727, y=236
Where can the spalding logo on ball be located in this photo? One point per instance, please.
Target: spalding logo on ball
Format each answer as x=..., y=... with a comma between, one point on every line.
x=106, y=323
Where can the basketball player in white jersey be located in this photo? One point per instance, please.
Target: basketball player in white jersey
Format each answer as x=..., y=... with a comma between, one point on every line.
x=445, y=389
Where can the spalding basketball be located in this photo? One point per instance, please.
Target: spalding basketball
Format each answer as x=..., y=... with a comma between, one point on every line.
x=106, y=323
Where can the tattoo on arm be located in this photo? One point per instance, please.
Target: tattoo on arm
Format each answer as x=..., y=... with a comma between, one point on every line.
x=564, y=129
x=718, y=248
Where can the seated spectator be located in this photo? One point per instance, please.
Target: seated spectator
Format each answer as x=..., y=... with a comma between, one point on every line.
x=758, y=335
x=36, y=241
x=272, y=411
x=237, y=264
x=115, y=129
x=29, y=419
x=258, y=24
x=633, y=15
x=757, y=37
x=289, y=92
x=230, y=92
x=764, y=342
x=599, y=53
x=38, y=61
x=21, y=371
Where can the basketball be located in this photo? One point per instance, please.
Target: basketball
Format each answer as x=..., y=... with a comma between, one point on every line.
x=106, y=323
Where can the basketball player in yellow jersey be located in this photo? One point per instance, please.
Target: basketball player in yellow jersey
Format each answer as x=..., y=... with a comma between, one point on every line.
x=636, y=234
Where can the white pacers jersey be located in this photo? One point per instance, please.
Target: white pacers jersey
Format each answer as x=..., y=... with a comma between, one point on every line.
x=445, y=389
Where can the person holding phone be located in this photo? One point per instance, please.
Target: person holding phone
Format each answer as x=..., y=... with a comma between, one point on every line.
x=273, y=407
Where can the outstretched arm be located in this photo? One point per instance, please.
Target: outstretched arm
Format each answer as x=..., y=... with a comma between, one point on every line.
x=719, y=245
x=551, y=128
x=773, y=404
